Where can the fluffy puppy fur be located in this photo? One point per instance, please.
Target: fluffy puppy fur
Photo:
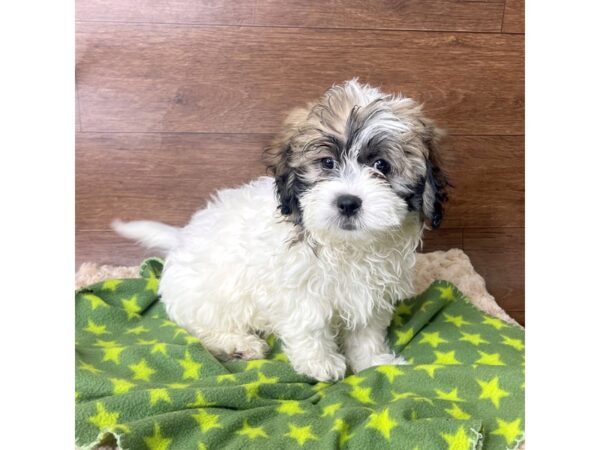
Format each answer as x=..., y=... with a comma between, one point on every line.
x=319, y=253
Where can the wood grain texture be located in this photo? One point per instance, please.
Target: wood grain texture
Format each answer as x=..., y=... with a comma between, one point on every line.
x=163, y=78
x=452, y=15
x=498, y=255
x=167, y=176
x=514, y=17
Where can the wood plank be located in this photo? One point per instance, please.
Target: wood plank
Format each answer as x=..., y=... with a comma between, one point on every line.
x=453, y=15
x=168, y=176
x=518, y=315
x=498, y=254
x=514, y=17
x=135, y=78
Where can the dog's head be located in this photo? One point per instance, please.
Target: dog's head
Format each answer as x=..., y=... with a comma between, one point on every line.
x=357, y=161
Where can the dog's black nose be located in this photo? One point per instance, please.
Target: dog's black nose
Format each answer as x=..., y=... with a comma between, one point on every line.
x=348, y=204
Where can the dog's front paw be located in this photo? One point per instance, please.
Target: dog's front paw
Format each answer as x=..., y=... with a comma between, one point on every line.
x=331, y=368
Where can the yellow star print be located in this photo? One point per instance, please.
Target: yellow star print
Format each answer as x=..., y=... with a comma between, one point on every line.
x=489, y=359
x=226, y=377
x=390, y=371
x=190, y=367
x=404, y=308
x=159, y=347
x=105, y=344
x=157, y=441
x=112, y=354
x=429, y=368
x=290, y=407
x=447, y=358
x=111, y=285
x=146, y=342
x=362, y=394
x=96, y=329
x=137, y=330
x=517, y=344
x=433, y=339
x=152, y=283
x=404, y=337
x=89, y=368
x=255, y=364
x=496, y=323
x=447, y=293
x=191, y=339
x=168, y=323
x=252, y=388
x=252, y=432
x=344, y=429
x=400, y=396
x=200, y=401
x=121, y=386
x=157, y=395
x=491, y=390
x=474, y=338
x=300, y=434
x=458, y=321
x=95, y=301
x=354, y=380
x=131, y=307
x=106, y=420
x=178, y=385
x=458, y=441
x=330, y=410
x=510, y=430
x=206, y=420
x=280, y=356
x=450, y=395
x=382, y=422
x=458, y=413
x=141, y=370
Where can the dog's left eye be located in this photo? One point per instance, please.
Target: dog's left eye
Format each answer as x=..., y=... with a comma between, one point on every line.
x=382, y=166
x=327, y=163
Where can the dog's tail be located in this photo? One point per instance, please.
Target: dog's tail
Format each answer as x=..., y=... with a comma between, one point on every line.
x=154, y=235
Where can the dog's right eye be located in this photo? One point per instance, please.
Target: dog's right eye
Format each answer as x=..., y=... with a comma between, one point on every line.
x=327, y=163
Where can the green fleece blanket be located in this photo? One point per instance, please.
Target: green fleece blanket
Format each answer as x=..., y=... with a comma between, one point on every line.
x=149, y=383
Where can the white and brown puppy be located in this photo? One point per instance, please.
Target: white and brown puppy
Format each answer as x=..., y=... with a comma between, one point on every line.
x=318, y=254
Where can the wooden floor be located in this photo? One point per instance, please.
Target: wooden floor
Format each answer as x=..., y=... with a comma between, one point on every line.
x=177, y=98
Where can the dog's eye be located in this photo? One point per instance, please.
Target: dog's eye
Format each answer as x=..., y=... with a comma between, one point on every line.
x=382, y=165
x=327, y=163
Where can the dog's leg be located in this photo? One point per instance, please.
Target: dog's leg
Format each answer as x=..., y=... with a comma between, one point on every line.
x=312, y=349
x=233, y=345
x=365, y=346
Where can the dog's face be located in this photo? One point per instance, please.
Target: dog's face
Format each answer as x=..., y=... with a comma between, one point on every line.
x=357, y=162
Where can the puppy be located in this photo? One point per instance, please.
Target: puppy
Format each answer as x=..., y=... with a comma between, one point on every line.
x=319, y=253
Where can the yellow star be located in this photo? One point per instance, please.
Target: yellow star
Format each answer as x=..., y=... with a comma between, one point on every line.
x=111, y=285
x=458, y=413
x=95, y=301
x=200, y=401
x=447, y=358
x=206, y=420
x=496, y=323
x=159, y=347
x=280, y=356
x=226, y=377
x=404, y=308
x=190, y=367
x=344, y=429
x=426, y=304
x=157, y=441
x=131, y=307
x=458, y=441
x=492, y=391
x=318, y=387
x=398, y=320
x=104, y=344
x=152, y=283
x=474, y=339
x=447, y=293
x=252, y=389
x=168, y=323
x=354, y=380
x=157, y=395
x=106, y=420
x=404, y=337
x=450, y=395
x=96, y=329
x=252, y=432
x=255, y=364
x=330, y=410
x=362, y=394
x=300, y=434
x=510, y=430
x=89, y=368
x=146, y=342
x=489, y=359
x=517, y=344
x=191, y=339
x=112, y=354
x=402, y=395
x=121, y=386
x=458, y=321
x=137, y=330
x=290, y=407
x=429, y=368
x=390, y=371
x=432, y=339
x=141, y=370
x=179, y=331
x=178, y=385
x=382, y=422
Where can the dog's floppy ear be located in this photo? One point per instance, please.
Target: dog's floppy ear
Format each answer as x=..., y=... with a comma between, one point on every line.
x=436, y=182
x=278, y=156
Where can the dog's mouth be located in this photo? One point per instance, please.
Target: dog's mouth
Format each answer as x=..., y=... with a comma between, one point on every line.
x=348, y=225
